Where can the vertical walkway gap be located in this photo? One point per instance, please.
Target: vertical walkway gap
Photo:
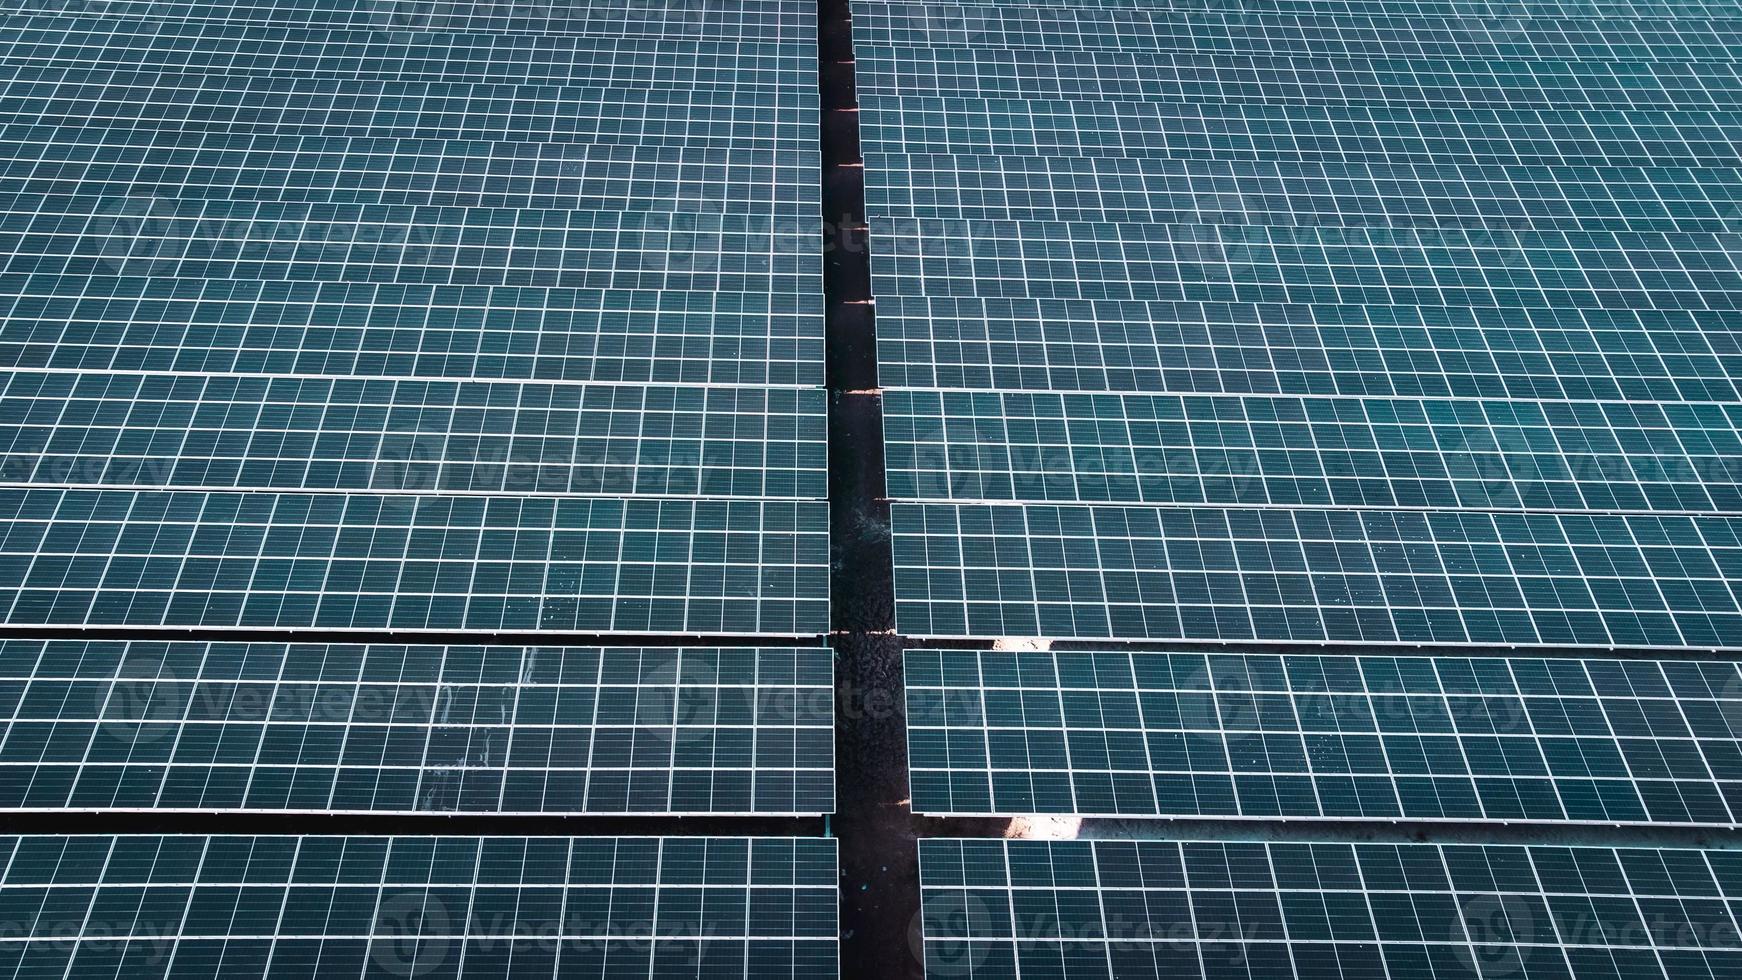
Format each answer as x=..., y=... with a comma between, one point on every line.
x=879, y=863
x=877, y=832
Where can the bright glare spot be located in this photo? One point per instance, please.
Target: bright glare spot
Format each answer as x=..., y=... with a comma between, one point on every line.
x=1044, y=828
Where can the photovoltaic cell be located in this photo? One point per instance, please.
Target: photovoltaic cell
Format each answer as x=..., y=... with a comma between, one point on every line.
x=350, y=727
x=191, y=906
x=1301, y=736
x=471, y=318
x=997, y=909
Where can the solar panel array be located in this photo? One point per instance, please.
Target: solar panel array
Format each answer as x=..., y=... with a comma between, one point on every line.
x=1354, y=321
x=1200, y=908
x=188, y=906
x=386, y=728
x=1365, y=323
x=1345, y=321
x=398, y=317
x=1326, y=737
x=475, y=317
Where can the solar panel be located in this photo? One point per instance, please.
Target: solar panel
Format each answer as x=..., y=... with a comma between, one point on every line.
x=1253, y=263
x=1427, y=8
x=1306, y=349
x=1350, y=193
x=1407, y=30
x=1387, y=133
x=388, y=330
x=588, y=177
x=1292, y=574
x=179, y=430
x=1359, y=452
x=192, y=906
x=1200, y=908
x=705, y=18
x=76, y=37
x=413, y=561
x=386, y=728
x=243, y=105
x=441, y=246
x=1332, y=737
x=1298, y=78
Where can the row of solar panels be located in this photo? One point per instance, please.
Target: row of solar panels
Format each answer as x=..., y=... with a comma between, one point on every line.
x=347, y=727
x=184, y=906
